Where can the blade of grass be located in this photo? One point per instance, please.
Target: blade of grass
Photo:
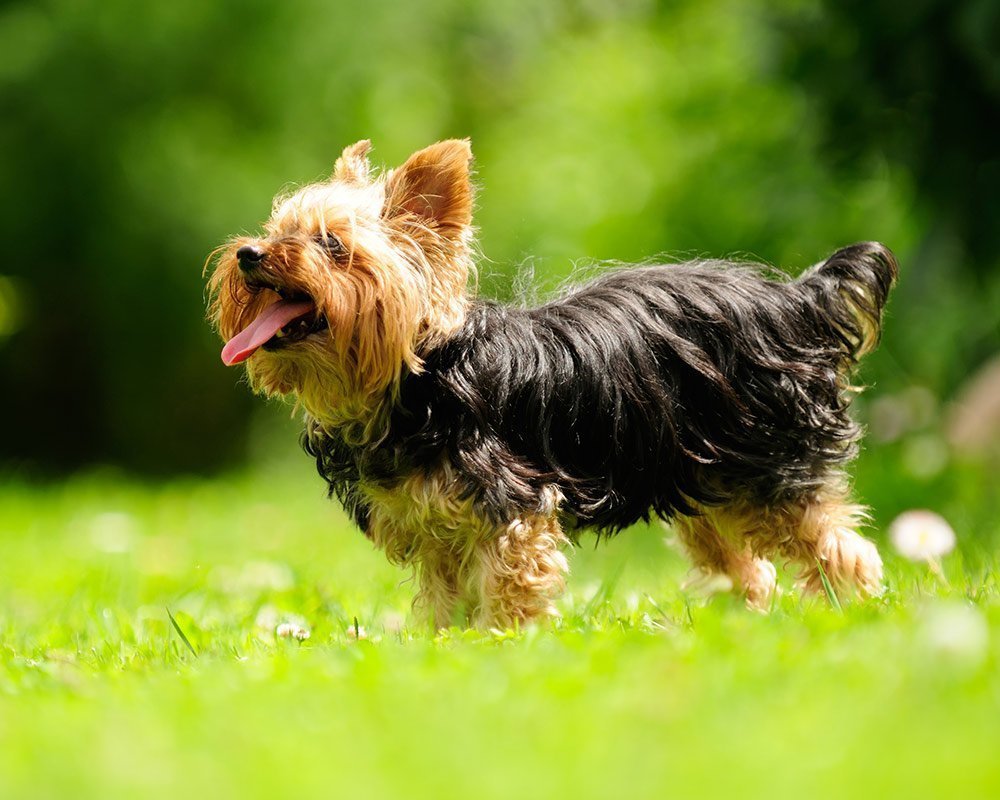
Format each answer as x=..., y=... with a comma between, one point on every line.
x=828, y=587
x=687, y=611
x=654, y=604
x=605, y=591
x=181, y=634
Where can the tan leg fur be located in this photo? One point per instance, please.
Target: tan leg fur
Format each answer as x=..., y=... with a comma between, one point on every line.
x=520, y=572
x=824, y=531
x=468, y=569
x=720, y=543
x=737, y=541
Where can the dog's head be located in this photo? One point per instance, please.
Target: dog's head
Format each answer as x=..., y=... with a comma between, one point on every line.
x=353, y=278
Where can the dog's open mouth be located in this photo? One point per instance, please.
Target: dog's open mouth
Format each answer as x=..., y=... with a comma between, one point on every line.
x=284, y=322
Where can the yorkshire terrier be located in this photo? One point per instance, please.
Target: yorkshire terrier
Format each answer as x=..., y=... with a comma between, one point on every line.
x=471, y=440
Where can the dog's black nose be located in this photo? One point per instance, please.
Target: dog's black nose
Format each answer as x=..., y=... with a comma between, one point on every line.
x=249, y=257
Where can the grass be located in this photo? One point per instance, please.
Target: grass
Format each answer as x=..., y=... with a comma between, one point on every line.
x=640, y=691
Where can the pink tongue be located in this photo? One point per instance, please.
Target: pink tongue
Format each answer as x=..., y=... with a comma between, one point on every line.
x=271, y=320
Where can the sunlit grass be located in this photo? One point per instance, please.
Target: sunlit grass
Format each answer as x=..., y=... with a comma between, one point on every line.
x=639, y=691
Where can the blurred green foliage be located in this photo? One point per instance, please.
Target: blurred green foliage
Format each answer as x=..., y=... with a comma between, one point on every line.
x=136, y=137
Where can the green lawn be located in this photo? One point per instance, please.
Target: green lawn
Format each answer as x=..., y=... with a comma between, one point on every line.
x=638, y=692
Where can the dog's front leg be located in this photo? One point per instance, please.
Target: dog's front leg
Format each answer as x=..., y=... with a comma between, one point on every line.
x=519, y=572
x=436, y=561
x=439, y=597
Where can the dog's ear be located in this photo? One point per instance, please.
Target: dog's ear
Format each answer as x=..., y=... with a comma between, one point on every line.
x=434, y=186
x=353, y=166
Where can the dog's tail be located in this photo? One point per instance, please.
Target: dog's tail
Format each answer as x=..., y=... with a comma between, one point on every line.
x=850, y=289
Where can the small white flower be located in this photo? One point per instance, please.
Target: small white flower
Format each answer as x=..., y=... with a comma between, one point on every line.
x=292, y=630
x=922, y=535
x=357, y=632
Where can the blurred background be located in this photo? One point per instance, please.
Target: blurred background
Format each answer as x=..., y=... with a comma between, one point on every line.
x=138, y=136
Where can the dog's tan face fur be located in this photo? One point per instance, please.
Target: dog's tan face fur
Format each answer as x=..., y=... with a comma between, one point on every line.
x=386, y=261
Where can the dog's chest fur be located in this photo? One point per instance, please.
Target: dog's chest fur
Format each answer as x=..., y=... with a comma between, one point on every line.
x=424, y=501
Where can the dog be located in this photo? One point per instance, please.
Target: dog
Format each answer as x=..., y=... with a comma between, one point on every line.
x=473, y=441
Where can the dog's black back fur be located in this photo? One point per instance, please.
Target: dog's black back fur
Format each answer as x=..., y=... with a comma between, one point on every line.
x=646, y=391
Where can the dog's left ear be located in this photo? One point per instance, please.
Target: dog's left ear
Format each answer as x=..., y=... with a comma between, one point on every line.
x=434, y=186
x=353, y=166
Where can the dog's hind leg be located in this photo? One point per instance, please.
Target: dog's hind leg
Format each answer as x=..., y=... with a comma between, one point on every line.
x=718, y=544
x=820, y=535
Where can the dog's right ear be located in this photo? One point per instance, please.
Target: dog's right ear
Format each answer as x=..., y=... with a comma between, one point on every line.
x=433, y=186
x=353, y=166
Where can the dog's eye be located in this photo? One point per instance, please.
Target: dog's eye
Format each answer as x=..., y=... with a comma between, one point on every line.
x=331, y=243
